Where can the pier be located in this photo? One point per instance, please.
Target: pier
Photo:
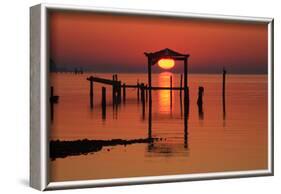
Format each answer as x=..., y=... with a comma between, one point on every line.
x=144, y=91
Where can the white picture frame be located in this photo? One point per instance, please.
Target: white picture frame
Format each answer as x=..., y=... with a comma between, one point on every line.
x=39, y=109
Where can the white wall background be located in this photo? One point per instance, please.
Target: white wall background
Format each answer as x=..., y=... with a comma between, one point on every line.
x=14, y=95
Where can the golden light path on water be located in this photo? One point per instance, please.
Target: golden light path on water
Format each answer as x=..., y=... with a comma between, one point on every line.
x=164, y=95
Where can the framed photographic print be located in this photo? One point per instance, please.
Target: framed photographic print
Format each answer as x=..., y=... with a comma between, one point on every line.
x=133, y=97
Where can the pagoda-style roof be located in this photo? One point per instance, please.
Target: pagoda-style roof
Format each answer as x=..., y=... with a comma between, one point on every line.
x=165, y=53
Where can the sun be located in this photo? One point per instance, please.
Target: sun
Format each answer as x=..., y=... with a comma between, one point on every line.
x=166, y=63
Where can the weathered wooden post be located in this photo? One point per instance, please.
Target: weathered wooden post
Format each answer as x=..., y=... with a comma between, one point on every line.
x=181, y=88
x=142, y=92
x=124, y=93
x=138, y=90
x=119, y=92
x=103, y=103
x=146, y=92
x=90, y=79
x=52, y=103
x=92, y=94
x=142, y=100
x=223, y=91
x=200, y=102
x=186, y=95
x=171, y=92
x=53, y=100
x=149, y=99
x=113, y=90
x=200, y=96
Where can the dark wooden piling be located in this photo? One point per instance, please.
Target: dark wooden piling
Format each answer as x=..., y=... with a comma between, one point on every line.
x=103, y=102
x=200, y=96
x=186, y=94
x=200, y=102
x=149, y=99
x=142, y=88
x=181, y=94
x=113, y=91
x=146, y=92
x=119, y=92
x=181, y=88
x=53, y=100
x=171, y=92
x=138, y=90
x=91, y=93
x=52, y=104
x=124, y=93
x=223, y=92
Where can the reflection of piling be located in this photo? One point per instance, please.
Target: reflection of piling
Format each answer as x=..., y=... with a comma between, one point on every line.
x=185, y=137
x=223, y=92
x=103, y=102
x=143, y=100
x=124, y=93
x=200, y=102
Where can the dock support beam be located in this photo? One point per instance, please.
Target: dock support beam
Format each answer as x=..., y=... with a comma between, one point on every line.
x=181, y=88
x=149, y=100
x=223, y=92
x=124, y=93
x=53, y=100
x=200, y=102
x=91, y=93
x=138, y=90
x=142, y=100
x=171, y=92
x=52, y=103
x=103, y=102
x=119, y=92
x=186, y=95
x=113, y=91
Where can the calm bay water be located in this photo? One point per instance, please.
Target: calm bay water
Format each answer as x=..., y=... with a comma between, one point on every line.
x=213, y=144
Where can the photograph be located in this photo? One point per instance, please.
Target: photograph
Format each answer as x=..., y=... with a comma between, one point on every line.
x=134, y=95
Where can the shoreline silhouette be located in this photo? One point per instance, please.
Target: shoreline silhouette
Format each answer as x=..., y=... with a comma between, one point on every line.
x=62, y=149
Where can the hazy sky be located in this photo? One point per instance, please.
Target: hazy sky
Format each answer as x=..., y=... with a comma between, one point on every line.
x=107, y=43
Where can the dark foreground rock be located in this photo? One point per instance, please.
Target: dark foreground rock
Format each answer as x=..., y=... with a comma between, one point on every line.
x=62, y=149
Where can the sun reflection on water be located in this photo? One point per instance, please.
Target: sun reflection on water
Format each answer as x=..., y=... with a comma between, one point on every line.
x=164, y=101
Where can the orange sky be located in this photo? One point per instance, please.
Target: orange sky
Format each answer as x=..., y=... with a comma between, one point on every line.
x=107, y=43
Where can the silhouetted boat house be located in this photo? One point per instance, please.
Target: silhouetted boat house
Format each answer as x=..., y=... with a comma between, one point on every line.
x=152, y=59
